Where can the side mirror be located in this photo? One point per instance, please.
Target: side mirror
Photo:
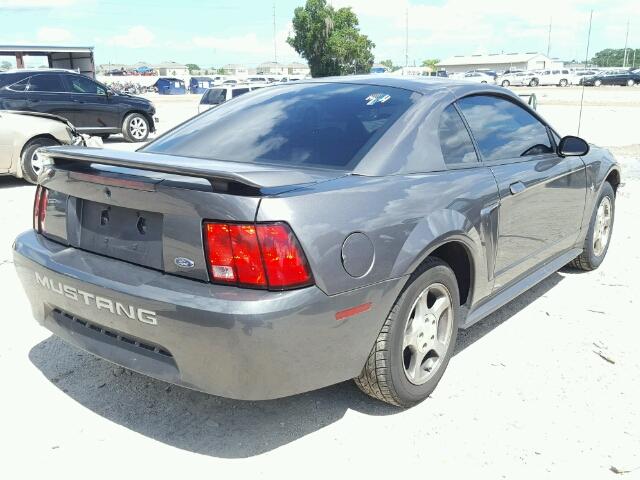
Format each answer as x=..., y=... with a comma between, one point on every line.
x=571, y=146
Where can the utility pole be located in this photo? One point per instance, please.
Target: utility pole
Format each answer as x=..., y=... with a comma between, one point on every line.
x=406, y=39
x=275, y=50
x=549, y=37
x=626, y=41
x=586, y=59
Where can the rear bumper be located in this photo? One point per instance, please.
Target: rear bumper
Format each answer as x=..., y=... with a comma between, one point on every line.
x=232, y=342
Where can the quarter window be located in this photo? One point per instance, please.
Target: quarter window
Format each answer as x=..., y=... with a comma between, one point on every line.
x=455, y=142
x=504, y=130
x=21, y=86
x=47, y=82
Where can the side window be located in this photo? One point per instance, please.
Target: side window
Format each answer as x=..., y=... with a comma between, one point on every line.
x=455, y=142
x=238, y=91
x=80, y=84
x=504, y=130
x=48, y=82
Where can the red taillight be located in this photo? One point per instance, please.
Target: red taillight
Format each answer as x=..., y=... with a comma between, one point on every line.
x=284, y=261
x=262, y=255
x=40, y=208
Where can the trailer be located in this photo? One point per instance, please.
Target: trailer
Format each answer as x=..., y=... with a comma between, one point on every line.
x=79, y=59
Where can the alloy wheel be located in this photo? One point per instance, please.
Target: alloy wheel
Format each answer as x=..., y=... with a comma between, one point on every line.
x=428, y=333
x=602, y=227
x=138, y=128
x=37, y=163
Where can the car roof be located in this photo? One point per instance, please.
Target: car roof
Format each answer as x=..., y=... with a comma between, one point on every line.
x=419, y=84
x=40, y=70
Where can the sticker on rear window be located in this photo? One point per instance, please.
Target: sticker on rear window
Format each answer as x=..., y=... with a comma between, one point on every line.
x=377, y=98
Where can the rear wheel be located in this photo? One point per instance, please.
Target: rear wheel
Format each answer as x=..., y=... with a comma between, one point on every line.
x=563, y=82
x=505, y=83
x=630, y=82
x=597, y=83
x=596, y=244
x=533, y=82
x=417, y=339
x=32, y=164
x=135, y=128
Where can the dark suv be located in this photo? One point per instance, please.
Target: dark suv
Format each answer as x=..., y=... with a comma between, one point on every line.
x=91, y=106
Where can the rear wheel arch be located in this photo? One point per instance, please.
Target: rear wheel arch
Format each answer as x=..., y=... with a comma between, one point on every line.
x=457, y=255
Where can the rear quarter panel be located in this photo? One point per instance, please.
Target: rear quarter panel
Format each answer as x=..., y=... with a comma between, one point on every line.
x=404, y=216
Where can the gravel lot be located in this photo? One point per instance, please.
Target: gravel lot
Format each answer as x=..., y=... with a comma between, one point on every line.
x=547, y=387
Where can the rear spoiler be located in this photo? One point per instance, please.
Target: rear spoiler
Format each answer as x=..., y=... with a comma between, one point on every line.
x=255, y=176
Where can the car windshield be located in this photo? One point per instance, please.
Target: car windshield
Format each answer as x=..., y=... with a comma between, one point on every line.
x=326, y=125
x=215, y=96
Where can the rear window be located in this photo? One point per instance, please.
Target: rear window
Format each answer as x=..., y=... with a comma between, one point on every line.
x=215, y=96
x=329, y=125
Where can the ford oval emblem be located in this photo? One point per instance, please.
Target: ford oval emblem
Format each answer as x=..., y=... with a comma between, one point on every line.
x=183, y=262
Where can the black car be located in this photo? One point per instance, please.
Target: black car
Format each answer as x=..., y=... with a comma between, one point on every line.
x=629, y=79
x=91, y=106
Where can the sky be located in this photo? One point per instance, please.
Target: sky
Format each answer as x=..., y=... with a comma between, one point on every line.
x=216, y=32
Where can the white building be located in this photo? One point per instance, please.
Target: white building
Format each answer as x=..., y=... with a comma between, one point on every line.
x=274, y=68
x=498, y=62
x=171, y=69
x=236, y=69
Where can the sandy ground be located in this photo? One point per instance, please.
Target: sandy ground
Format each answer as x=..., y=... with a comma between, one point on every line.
x=547, y=387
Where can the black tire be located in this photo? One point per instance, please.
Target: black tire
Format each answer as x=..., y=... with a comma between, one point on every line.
x=533, y=82
x=506, y=83
x=383, y=376
x=29, y=172
x=588, y=259
x=130, y=128
x=563, y=83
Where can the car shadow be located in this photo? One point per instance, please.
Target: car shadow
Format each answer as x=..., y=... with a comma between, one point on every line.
x=216, y=426
x=7, y=182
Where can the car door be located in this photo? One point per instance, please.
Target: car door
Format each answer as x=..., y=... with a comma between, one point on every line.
x=46, y=93
x=94, y=110
x=542, y=195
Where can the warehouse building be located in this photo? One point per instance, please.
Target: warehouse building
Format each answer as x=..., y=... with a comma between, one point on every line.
x=498, y=62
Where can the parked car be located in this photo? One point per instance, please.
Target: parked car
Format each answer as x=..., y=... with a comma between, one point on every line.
x=559, y=77
x=89, y=105
x=514, y=78
x=479, y=77
x=312, y=232
x=23, y=133
x=629, y=79
x=218, y=95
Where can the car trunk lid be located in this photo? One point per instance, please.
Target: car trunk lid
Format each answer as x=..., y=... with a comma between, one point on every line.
x=149, y=209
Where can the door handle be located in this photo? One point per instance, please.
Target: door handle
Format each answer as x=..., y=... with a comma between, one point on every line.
x=517, y=187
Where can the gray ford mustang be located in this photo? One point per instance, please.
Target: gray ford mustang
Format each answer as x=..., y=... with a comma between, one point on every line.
x=309, y=233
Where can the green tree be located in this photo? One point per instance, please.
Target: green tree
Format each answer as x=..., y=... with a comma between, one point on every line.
x=330, y=40
x=192, y=67
x=432, y=63
x=614, y=57
x=388, y=63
